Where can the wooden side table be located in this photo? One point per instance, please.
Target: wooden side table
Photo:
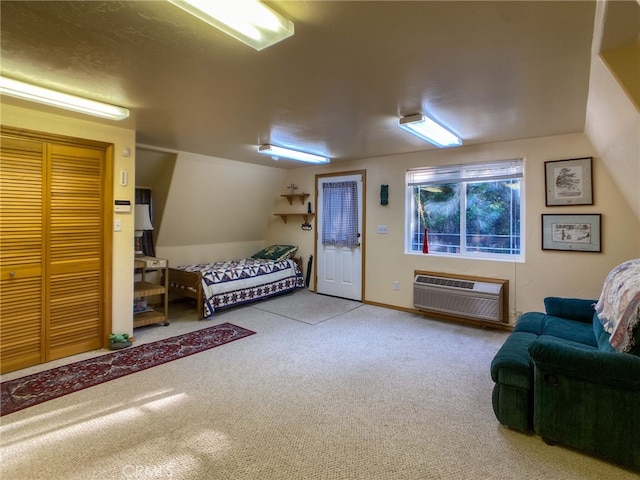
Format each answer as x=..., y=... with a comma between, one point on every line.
x=144, y=314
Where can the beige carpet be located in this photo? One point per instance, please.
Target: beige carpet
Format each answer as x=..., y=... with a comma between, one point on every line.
x=369, y=394
x=308, y=307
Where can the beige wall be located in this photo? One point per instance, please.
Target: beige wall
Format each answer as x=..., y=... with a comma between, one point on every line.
x=543, y=273
x=612, y=118
x=215, y=209
x=154, y=170
x=121, y=138
x=210, y=208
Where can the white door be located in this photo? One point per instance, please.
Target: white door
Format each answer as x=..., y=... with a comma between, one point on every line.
x=339, y=267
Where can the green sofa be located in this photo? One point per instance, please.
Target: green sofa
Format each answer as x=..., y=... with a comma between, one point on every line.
x=558, y=375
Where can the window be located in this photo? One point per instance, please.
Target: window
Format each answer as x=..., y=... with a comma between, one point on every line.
x=472, y=210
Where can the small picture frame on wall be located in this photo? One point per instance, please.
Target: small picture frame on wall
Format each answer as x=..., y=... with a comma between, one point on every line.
x=572, y=232
x=569, y=182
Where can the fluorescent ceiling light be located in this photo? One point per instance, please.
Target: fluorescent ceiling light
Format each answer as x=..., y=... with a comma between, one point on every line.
x=428, y=130
x=26, y=91
x=249, y=21
x=277, y=152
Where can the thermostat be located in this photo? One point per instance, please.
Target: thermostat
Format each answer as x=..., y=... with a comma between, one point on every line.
x=122, y=206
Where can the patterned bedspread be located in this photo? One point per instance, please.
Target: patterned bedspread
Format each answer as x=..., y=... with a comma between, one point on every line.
x=245, y=280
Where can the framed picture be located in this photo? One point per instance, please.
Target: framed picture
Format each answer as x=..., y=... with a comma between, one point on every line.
x=571, y=232
x=569, y=182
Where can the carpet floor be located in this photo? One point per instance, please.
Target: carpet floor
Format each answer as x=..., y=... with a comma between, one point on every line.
x=36, y=388
x=370, y=394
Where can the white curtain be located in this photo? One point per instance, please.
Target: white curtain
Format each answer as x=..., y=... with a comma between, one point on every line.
x=340, y=214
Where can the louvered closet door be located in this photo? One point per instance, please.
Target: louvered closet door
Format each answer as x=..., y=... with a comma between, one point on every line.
x=75, y=250
x=22, y=254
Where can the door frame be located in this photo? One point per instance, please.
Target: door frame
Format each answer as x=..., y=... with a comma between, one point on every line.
x=363, y=237
x=107, y=212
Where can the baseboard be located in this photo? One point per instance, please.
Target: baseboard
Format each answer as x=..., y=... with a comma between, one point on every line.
x=445, y=317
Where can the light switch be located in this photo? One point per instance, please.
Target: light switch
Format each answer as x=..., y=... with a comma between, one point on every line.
x=117, y=225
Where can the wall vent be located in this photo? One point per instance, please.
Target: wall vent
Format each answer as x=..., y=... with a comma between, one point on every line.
x=460, y=298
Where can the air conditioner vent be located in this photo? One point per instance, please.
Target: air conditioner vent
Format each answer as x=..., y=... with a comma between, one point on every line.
x=461, y=298
x=447, y=282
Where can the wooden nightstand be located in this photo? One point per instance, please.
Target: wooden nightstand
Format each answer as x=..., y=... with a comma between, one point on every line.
x=142, y=313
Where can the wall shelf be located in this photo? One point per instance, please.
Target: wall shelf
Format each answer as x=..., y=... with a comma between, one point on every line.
x=306, y=216
x=291, y=196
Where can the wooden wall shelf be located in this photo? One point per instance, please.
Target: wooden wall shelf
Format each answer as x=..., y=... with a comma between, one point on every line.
x=306, y=216
x=291, y=196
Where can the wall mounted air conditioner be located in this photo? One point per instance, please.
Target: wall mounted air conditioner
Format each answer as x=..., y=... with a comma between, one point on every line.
x=460, y=298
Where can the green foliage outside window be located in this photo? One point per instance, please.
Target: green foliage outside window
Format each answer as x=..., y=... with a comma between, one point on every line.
x=491, y=223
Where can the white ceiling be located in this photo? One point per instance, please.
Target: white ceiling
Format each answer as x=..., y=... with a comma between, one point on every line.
x=491, y=71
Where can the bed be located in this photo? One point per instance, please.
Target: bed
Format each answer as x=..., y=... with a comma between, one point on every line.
x=233, y=282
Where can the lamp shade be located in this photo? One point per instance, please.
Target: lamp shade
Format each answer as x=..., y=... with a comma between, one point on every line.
x=142, y=219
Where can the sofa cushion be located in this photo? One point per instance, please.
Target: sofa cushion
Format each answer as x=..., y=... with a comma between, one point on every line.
x=530, y=322
x=541, y=324
x=570, y=308
x=570, y=330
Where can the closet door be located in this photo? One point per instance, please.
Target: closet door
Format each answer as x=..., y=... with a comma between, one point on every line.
x=74, y=276
x=22, y=254
x=54, y=279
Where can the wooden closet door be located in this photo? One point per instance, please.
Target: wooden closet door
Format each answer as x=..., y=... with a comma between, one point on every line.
x=22, y=254
x=75, y=249
x=54, y=252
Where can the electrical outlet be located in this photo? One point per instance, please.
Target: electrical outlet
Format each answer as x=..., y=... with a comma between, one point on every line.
x=518, y=314
x=382, y=229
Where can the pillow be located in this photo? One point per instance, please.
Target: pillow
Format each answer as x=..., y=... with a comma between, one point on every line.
x=619, y=303
x=276, y=253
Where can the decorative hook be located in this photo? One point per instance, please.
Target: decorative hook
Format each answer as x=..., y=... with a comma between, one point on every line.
x=306, y=226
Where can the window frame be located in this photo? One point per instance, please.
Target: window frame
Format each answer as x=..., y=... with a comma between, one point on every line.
x=463, y=175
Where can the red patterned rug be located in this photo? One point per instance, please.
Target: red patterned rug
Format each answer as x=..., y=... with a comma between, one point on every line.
x=25, y=392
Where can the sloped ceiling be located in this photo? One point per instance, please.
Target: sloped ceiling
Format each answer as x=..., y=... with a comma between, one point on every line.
x=491, y=71
x=620, y=46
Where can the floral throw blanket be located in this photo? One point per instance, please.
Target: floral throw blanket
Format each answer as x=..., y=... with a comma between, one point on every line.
x=619, y=305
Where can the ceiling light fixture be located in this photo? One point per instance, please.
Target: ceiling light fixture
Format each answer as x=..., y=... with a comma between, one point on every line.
x=26, y=91
x=249, y=21
x=427, y=129
x=277, y=152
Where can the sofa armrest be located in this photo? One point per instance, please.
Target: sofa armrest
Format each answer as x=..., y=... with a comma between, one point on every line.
x=614, y=369
x=570, y=308
x=587, y=399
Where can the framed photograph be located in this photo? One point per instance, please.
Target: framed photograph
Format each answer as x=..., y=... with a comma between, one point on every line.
x=571, y=232
x=569, y=182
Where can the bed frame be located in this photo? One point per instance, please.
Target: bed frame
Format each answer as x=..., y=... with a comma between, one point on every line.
x=189, y=284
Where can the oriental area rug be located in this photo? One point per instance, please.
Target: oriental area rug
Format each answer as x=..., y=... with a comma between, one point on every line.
x=31, y=390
